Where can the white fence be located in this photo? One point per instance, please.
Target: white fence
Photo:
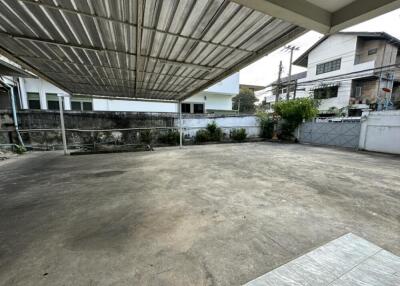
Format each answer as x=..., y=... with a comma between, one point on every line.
x=380, y=132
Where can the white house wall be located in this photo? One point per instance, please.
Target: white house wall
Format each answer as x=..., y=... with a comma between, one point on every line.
x=213, y=100
x=42, y=87
x=335, y=47
x=217, y=97
x=133, y=105
x=230, y=85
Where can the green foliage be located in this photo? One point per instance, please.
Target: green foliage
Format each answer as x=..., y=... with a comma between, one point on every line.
x=211, y=133
x=247, y=101
x=239, y=134
x=146, y=136
x=214, y=131
x=266, y=125
x=19, y=149
x=293, y=112
x=171, y=137
x=202, y=135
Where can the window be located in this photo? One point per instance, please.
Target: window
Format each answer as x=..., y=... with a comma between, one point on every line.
x=52, y=101
x=329, y=66
x=357, y=91
x=76, y=105
x=185, y=107
x=327, y=92
x=81, y=104
x=198, y=108
x=372, y=51
x=87, y=106
x=33, y=100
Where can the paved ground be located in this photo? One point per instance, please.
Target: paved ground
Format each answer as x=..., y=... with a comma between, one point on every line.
x=346, y=261
x=206, y=215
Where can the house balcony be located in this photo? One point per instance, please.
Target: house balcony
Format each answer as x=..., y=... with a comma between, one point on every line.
x=365, y=69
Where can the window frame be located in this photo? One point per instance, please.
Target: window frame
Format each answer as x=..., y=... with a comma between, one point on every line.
x=330, y=66
x=36, y=94
x=52, y=97
x=372, y=51
x=325, y=92
x=203, y=109
x=81, y=101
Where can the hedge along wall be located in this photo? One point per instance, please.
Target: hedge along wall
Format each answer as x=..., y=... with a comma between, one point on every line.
x=227, y=123
x=94, y=127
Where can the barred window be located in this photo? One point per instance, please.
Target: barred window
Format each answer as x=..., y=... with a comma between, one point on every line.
x=329, y=66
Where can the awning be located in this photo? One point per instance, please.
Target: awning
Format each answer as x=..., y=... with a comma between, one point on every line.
x=326, y=85
x=156, y=49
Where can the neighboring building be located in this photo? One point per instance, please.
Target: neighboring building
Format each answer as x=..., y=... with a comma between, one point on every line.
x=268, y=95
x=40, y=94
x=37, y=94
x=252, y=87
x=344, y=72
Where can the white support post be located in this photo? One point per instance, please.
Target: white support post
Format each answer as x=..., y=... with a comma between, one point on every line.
x=64, y=138
x=180, y=125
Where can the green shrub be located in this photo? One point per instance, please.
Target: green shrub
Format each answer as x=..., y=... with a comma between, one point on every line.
x=211, y=133
x=146, y=136
x=202, y=135
x=19, y=149
x=266, y=125
x=239, y=134
x=171, y=137
x=215, y=133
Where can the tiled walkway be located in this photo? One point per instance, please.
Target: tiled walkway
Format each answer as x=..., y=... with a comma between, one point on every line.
x=346, y=261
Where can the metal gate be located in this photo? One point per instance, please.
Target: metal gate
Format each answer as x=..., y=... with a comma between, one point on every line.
x=341, y=134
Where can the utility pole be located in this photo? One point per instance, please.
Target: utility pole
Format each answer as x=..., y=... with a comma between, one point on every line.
x=291, y=49
x=278, y=84
x=278, y=89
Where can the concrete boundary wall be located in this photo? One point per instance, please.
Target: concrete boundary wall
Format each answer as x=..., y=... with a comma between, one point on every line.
x=380, y=132
x=42, y=128
x=227, y=123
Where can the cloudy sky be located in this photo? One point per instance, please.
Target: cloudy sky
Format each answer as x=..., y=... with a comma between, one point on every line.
x=265, y=70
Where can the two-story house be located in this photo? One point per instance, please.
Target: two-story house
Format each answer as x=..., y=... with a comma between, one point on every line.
x=352, y=72
x=347, y=72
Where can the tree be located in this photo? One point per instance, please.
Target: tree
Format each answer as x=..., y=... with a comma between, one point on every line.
x=245, y=100
x=293, y=112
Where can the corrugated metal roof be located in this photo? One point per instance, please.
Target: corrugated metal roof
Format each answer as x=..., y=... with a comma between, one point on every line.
x=91, y=46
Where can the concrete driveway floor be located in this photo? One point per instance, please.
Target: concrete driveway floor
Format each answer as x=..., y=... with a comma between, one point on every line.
x=204, y=215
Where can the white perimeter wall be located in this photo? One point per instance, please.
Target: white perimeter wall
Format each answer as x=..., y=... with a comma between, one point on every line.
x=133, y=105
x=250, y=123
x=380, y=132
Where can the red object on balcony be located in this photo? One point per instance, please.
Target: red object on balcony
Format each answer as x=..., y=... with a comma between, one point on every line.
x=385, y=89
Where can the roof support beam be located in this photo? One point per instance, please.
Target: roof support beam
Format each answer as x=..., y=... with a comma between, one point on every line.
x=307, y=15
x=299, y=12
x=139, y=62
x=360, y=11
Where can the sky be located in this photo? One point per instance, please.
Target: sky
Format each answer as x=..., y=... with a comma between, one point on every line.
x=265, y=70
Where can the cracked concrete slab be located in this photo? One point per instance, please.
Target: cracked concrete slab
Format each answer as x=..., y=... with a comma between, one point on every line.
x=204, y=215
